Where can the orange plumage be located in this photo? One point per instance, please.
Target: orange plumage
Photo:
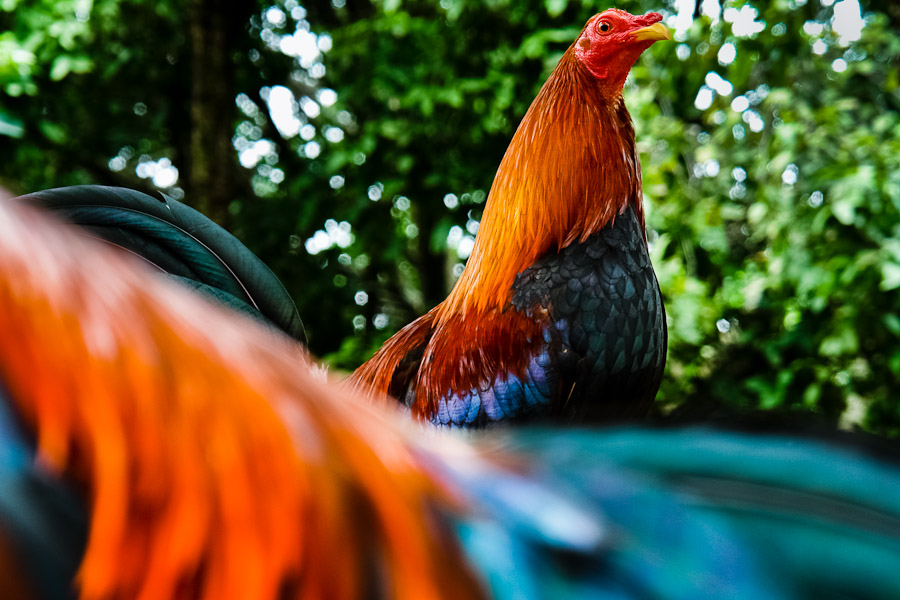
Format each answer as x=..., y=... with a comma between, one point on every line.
x=216, y=465
x=570, y=170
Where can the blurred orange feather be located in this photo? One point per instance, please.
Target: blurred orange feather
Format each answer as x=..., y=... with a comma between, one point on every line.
x=217, y=465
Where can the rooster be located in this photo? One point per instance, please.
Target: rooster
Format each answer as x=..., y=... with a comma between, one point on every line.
x=558, y=311
x=154, y=446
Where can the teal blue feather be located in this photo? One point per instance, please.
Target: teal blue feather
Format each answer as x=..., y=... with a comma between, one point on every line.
x=818, y=518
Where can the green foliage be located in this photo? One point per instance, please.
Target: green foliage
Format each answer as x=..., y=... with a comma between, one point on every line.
x=71, y=76
x=773, y=206
x=777, y=246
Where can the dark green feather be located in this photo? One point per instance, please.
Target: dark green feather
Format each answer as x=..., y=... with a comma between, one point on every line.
x=181, y=242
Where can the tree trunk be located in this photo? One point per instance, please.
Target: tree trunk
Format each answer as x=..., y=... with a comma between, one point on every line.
x=211, y=161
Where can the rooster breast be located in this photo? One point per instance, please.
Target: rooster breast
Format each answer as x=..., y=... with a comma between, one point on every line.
x=605, y=306
x=597, y=307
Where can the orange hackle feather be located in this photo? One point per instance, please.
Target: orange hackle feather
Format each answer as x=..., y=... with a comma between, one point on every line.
x=215, y=464
x=570, y=169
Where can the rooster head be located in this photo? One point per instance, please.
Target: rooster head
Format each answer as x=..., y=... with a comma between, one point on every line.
x=612, y=41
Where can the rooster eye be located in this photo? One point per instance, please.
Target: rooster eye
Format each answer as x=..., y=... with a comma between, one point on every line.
x=604, y=27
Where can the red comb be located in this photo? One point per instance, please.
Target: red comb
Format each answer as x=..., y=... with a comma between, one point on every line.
x=648, y=19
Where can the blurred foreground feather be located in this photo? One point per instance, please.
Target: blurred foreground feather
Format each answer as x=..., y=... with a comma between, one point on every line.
x=183, y=452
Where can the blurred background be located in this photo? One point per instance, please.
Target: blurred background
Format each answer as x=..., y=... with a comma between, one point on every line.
x=351, y=145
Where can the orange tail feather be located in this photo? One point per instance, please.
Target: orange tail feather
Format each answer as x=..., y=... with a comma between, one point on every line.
x=216, y=465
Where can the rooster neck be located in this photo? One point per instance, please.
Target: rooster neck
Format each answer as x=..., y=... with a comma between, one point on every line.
x=570, y=169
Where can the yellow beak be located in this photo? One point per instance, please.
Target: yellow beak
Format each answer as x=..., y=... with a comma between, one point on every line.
x=653, y=33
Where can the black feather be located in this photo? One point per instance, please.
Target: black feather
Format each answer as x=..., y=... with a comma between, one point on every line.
x=604, y=301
